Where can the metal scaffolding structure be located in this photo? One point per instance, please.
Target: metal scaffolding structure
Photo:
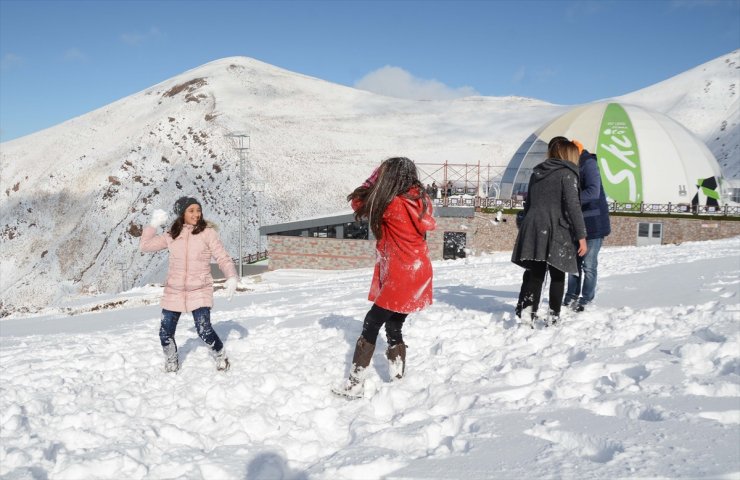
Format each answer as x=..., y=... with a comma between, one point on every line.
x=461, y=179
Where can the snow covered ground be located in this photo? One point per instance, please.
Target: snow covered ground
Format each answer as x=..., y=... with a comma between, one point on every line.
x=646, y=384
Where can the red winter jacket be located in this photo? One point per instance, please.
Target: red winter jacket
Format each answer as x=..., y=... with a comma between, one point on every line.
x=402, y=281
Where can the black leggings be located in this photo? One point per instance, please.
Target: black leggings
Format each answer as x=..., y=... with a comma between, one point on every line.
x=375, y=319
x=529, y=294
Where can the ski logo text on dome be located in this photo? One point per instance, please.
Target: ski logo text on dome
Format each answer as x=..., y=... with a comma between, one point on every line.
x=618, y=156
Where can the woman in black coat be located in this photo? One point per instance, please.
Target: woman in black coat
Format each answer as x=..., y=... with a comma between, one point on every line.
x=552, y=227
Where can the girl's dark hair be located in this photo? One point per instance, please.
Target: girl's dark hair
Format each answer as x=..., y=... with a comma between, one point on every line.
x=396, y=176
x=176, y=227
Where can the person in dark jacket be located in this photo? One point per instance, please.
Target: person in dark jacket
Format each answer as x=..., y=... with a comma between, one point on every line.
x=552, y=226
x=582, y=286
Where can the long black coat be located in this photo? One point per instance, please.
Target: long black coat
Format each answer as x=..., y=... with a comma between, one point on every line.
x=553, y=221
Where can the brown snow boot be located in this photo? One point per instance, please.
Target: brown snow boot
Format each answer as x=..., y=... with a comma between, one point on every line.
x=396, y=360
x=360, y=361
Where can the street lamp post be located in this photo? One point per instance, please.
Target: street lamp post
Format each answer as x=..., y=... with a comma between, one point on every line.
x=241, y=142
x=258, y=187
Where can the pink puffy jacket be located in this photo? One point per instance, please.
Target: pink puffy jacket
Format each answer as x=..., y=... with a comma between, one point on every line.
x=189, y=283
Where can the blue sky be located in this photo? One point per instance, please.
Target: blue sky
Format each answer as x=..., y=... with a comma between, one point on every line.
x=61, y=59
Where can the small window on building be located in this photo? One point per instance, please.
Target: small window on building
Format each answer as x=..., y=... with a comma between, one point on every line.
x=289, y=233
x=324, y=231
x=735, y=195
x=657, y=230
x=356, y=230
x=643, y=230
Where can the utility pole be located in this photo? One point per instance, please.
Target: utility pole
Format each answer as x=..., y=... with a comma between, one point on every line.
x=258, y=187
x=241, y=143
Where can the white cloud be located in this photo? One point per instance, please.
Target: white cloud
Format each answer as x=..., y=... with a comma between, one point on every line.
x=540, y=74
x=544, y=74
x=519, y=75
x=397, y=82
x=137, y=38
x=699, y=3
x=74, y=55
x=10, y=60
x=578, y=10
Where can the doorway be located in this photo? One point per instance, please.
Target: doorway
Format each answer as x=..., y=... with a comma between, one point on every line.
x=454, y=245
x=649, y=234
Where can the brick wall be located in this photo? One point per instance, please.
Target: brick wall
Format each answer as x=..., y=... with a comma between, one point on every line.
x=490, y=236
x=435, y=238
x=675, y=230
x=493, y=236
x=484, y=234
x=319, y=253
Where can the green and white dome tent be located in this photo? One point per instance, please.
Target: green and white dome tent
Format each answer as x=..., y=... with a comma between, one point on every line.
x=643, y=156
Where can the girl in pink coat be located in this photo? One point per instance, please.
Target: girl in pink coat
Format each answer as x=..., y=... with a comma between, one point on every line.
x=399, y=212
x=191, y=242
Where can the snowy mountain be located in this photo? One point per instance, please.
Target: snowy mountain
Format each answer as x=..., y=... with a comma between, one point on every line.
x=643, y=384
x=705, y=100
x=74, y=196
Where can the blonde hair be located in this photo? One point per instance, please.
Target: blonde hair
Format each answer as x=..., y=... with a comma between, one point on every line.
x=564, y=150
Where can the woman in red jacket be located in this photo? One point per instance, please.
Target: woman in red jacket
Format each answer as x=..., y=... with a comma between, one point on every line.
x=399, y=213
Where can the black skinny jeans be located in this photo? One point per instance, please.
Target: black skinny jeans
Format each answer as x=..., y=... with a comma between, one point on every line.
x=529, y=294
x=375, y=319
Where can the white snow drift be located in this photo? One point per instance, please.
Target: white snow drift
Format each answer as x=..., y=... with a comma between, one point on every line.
x=646, y=384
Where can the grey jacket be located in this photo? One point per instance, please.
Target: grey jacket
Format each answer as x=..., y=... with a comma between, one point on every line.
x=553, y=221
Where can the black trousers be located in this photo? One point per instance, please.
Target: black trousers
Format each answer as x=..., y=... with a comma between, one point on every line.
x=375, y=319
x=534, y=277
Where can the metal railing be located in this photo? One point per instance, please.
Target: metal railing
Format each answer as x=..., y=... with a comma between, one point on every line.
x=252, y=258
x=616, y=207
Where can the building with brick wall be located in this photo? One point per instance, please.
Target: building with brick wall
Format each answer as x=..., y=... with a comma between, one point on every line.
x=338, y=242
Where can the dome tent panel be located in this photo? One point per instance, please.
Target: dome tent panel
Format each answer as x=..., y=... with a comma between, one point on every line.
x=582, y=125
x=690, y=149
x=674, y=155
x=643, y=155
x=533, y=150
x=515, y=179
